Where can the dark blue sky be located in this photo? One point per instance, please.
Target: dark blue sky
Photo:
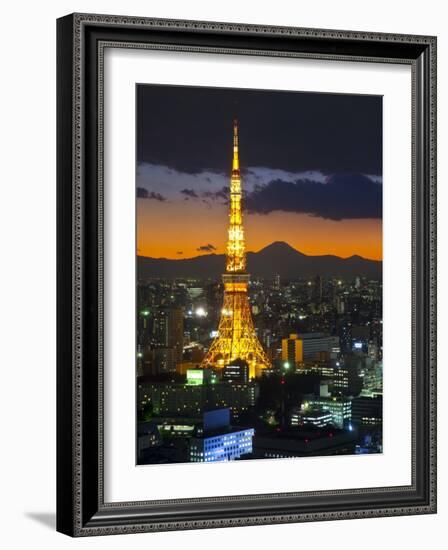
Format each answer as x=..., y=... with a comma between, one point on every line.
x=188, y=128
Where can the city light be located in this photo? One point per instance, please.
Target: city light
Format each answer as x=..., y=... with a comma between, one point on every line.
x=200, y=312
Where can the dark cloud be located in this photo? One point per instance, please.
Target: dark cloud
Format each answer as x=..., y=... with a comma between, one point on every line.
x=190, y=193
x=190, y=129
x=206, y=248
x=179, y=252
x=222, y=194
x=343, y=196
x=143, y=193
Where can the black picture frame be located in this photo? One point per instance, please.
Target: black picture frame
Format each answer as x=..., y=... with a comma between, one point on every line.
x=81, y=510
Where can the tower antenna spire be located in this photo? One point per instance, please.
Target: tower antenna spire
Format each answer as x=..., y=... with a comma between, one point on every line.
x=236, y=160
x=236, y=256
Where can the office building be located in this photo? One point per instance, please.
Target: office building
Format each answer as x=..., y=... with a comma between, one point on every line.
x=299, y=348
x=313, y=417
x=168, y=331
x=292, y=350
x=367, y=411
x=339, y=407
x=237, y=372
x=191, y=398
x=218, y=441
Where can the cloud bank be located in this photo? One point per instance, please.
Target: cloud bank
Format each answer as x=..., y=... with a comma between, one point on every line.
x=143, y=193
x=266, y=190
x=343, y=196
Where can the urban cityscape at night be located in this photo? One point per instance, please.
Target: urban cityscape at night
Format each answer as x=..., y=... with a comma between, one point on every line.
x=255, y=349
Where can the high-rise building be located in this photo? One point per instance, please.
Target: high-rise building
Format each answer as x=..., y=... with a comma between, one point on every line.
x=236, y=337
x=317, y=290
x=168, y=330
x=298, y=348
x=340, y=304
x=292, y=349
x=143, y=325
x=277, y=282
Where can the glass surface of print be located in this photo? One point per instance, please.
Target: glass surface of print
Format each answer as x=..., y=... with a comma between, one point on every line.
x=265, y=342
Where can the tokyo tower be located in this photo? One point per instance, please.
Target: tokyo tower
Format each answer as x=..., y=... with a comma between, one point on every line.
x=236, y=333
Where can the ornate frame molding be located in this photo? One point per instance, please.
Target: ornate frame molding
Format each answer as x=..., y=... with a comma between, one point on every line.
x=81, y=42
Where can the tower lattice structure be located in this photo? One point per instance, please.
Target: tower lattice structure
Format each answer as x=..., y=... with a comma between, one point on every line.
x=236, y=333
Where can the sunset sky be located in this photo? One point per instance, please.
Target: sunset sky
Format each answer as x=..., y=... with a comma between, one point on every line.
x=311, y=167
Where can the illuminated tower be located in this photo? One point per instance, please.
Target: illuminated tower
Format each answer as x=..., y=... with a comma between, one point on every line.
x=236, y=334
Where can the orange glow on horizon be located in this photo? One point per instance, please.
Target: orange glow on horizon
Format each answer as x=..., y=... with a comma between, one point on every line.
x=164, y=230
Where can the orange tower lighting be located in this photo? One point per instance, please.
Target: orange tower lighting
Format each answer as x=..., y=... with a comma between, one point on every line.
x=236, y=333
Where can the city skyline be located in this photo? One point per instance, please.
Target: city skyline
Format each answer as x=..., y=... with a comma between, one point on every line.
x=274, y=354
x=306, y=174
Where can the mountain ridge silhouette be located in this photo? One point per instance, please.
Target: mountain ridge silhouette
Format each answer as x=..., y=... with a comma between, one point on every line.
x=277, y=258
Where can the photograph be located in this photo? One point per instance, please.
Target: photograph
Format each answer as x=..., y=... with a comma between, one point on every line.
x=259, y=296
x=246, y=274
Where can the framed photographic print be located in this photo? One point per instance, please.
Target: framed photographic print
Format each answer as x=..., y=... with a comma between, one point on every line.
x=246, y=274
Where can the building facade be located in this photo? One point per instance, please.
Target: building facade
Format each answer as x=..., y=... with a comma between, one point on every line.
x=190, y=399
x=217, y=441
x=222, y=447
x=339, y=407
x=168, y=330
x=298, y=348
